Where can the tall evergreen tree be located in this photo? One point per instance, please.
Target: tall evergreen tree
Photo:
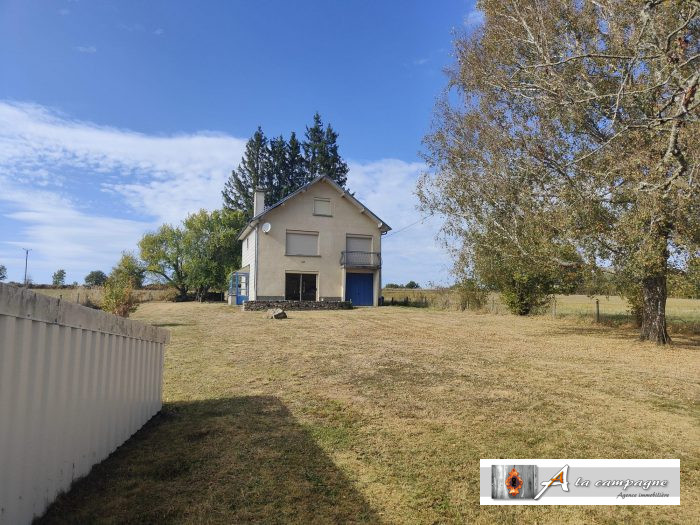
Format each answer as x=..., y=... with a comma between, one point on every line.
x=314, y=148
x=277, y=182
x=251, y=173
x=282, y=167
x=321, y=153
x=297, y=175
x=334, y=166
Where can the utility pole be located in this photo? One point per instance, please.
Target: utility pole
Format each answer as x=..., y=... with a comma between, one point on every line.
x=26, y=258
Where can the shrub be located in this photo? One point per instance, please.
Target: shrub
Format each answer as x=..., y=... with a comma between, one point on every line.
x=471, y=295
x=525, y=293
x=118, y=297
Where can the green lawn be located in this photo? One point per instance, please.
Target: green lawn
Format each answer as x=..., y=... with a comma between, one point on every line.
x=382, y=414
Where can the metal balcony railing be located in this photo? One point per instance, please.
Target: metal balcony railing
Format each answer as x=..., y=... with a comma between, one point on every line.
x=361, y=259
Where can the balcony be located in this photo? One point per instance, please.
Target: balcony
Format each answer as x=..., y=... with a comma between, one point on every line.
x=370, y=260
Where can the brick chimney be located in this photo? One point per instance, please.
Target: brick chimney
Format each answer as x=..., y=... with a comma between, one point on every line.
x=258, y=201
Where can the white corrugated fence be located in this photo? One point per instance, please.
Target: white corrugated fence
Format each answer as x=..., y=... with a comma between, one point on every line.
x=75, y=383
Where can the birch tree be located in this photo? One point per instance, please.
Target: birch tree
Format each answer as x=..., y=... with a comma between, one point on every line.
x=579, y=118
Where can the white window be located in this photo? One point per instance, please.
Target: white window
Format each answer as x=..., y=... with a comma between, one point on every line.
x=322, y=207
x=358, y=243
x=246, y=243
x=302, y=243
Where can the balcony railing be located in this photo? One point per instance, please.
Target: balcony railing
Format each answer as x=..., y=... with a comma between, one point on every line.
x=361, y=259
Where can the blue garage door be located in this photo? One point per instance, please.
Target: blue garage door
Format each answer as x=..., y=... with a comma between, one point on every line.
x=359, y=289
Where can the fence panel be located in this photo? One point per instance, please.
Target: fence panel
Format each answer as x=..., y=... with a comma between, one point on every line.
x=75, y=383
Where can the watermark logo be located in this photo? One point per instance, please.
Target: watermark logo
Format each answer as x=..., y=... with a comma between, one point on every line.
x=579, y=482
x=561, y=478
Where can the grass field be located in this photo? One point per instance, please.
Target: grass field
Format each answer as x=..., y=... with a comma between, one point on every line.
x=83, y=294
x=381, y=415
x=683, y=315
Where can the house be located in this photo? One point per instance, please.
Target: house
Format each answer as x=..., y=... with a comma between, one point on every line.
x=317, y=244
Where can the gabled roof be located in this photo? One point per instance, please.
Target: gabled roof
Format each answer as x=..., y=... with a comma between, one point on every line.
x=345, y=194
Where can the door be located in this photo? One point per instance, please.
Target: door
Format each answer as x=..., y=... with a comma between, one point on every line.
x=300, y=286
x=241, y=287
x=359, y=288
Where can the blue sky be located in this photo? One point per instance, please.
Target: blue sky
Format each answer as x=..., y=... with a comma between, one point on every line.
x=118, y=116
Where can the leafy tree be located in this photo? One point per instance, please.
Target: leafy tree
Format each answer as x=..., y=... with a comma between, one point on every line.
x=211, y=250
x=685, y=282
x=393, y=285
x=582, y=125
x=164, y=254
x=412, y=285
x=321, y=153
x=251, y=173
x=3, y=272
x=131, y=268
x=117, y=296
x=58, y=278
x=95, y=278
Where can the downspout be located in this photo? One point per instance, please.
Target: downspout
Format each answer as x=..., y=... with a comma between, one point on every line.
x=256, y=262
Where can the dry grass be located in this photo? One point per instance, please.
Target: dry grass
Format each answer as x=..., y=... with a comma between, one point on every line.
x=382, y=415
x=83, y=294
x=683, y=315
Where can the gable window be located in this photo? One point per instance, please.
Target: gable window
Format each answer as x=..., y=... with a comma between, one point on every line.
x=302, y=243
x=322, y=207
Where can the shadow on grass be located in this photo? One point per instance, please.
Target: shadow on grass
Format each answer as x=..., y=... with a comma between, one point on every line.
x=618, y=327
x=242, y=459
x=168, y=325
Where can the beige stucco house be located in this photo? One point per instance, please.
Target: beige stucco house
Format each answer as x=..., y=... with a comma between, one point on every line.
x=317, y=244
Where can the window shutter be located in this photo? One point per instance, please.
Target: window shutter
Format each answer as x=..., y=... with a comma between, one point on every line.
x=359, y=244
x=302, y=243
x=322, y=207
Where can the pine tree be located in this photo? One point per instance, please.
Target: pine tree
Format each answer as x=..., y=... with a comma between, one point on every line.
x=277, y=183
x=314, y=148
x=297, y=175
x=251, y=173
x=333, y=164
x=321, y=153
x=281, y=167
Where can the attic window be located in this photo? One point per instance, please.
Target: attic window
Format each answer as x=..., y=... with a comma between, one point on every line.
x=322, y=207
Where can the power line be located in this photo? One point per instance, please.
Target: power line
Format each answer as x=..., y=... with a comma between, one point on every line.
x=419, y=221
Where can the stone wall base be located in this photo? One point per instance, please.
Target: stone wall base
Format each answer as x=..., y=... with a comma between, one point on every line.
x=297, y=305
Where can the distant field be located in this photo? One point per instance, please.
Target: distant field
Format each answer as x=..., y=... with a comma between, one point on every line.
x=83, y=294
x=683, y=314
x=380, y=415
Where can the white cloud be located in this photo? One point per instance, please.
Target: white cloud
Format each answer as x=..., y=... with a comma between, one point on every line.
x=159, y=31
x=60, y=236
x=161, y=176
x=86, y=49
x=420, y=61
x=387, y=187
x=155, y=179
